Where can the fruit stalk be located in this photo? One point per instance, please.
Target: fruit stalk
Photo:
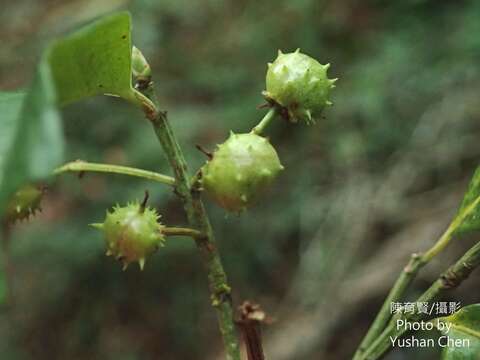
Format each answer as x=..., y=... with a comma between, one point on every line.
x=180, y=231
x=198, y=219
x=83, y=166
x=269, y=116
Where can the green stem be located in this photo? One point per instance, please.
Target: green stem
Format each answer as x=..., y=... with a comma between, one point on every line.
x=180, y=231
x=219, y=289
x=448, y=234
x=450, y=279
x=379, y=346
x=269, y=116
x=81, y=166
x=406, y=277
x=396, y=292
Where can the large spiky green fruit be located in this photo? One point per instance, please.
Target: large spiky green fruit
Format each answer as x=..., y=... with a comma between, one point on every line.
x=132, y=233
x=240, y=171
x=24, y=203
x=299, y=83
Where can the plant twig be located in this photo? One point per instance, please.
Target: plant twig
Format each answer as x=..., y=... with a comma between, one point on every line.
x=219, y=289
x=250, y=318
x=406, y=277
x=451, y=278
x=144, y=202
x=204, y=151
x=269, y=116
x=82, y=166
x=384, y=315
x=448, y=235
x=408, y=274
x=180, y=231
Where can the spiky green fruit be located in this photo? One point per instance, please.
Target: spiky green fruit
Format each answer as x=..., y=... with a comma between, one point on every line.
x=300, y=84
x=132, y=233
x=240, y=170
x=24, y=203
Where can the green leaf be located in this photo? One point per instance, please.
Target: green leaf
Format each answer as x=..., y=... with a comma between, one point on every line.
x=464, y=335
x=94, y=60
x=468, y=216
x=10, y=105
x=31, y=123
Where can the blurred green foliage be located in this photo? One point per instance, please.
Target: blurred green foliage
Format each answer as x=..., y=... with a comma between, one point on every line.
x=407, y=94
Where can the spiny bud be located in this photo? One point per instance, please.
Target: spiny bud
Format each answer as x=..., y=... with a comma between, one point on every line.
x=300, y=84
x=240, y=171
x=132, y=233
x=24, y=203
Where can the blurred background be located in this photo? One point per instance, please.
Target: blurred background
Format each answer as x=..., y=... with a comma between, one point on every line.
x=379, y=178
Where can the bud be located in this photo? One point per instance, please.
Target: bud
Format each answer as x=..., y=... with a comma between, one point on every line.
x=142, y=74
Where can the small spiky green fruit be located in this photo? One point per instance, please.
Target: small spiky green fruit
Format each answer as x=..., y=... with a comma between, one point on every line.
x=24, y=203
x=300, y=84
x=132, y=233
x=240, y=171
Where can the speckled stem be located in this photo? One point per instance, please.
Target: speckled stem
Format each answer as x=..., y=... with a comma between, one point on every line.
x=219, y=289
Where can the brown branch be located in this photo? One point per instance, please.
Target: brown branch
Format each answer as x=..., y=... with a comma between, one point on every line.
x=249, y=320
